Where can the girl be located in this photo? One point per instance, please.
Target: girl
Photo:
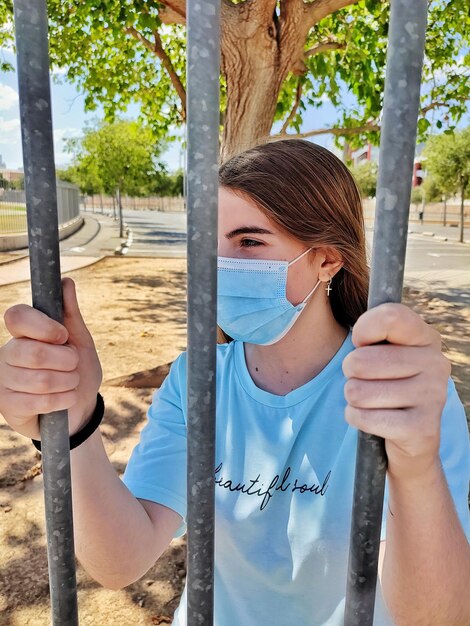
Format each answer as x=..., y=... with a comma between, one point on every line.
x=302, y=366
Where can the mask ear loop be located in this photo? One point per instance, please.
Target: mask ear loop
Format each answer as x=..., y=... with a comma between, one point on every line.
x=295, y=261
x=311, y=293
x=297, y=258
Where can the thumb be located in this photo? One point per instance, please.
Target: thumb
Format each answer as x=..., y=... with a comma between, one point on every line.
x=79, y=335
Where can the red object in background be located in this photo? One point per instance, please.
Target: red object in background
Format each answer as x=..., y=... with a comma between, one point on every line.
x=417, y=174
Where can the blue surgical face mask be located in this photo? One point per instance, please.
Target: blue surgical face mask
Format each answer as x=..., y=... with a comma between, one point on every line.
x=252, y=305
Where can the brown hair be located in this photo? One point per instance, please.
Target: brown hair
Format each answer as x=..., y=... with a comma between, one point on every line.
x=310, y=193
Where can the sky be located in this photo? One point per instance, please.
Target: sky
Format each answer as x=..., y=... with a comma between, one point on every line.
x=69, y=118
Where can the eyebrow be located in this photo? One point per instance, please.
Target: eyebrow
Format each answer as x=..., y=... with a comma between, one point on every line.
x=245, y=230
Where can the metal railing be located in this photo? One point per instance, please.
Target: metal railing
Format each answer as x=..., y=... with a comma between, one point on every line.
x=203, y=58
x=100, y=203
x=13, y=207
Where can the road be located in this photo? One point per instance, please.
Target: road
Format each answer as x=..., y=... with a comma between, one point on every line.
x=439, y=267
x=431, y=264
x=157, y=233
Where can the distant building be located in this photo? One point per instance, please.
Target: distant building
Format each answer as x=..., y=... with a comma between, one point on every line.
x=371, y=153
x=11, y=175
x=366, y=153
x=418, y=169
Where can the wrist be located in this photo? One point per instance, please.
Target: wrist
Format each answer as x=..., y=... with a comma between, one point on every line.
x=418, y=475
x=87, y=429
x=87, y=415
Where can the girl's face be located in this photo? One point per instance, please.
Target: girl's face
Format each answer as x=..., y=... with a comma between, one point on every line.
x=245, y=232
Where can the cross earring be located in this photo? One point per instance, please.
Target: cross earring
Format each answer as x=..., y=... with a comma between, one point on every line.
x=329, y=288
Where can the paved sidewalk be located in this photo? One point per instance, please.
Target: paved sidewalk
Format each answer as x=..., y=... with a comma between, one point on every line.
x=97, y=238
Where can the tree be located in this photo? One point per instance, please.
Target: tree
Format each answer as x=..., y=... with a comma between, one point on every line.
x=17, y=184
x=431, y=189
x=416, y=196
x=278, y=57
x=448, y=161
x=365, y=175
x=116, y=158
x=165, y=184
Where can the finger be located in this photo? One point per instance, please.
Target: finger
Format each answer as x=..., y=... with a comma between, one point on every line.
x=73, y=320
x=389, y=361
x=22, y=320
x=38, y=381
x=391, y=424
x=29, y=404
x=384, y=394
x=390, y=394
x=32, y=354
x=405, y=427
x=396, y=324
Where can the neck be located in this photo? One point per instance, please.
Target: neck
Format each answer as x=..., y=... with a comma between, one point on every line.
x=299, y=356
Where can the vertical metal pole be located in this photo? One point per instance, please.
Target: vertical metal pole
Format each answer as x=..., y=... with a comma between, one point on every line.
x=41, y=202
x=397, y=148
x=203, y=70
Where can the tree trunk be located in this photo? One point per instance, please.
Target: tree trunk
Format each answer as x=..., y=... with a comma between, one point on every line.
x=262, y=41
x=423, y=205
x=121, y=223
x=462, y=212
x=252, y=92
x=259, y=49
x=445, y=211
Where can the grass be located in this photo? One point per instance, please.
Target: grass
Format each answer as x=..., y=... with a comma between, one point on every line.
x=13, y=223
x=5, y=206
x=12, y=218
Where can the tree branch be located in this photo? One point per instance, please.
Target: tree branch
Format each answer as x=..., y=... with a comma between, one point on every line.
x=341, y=132
x=157, y=49
x=291, y=11
x=174, y=12
x=261, y=12
x=324, y=46
x=167, y=64
x=437, y=104
x=294, y=108
x=130, y=30
x=317, y=10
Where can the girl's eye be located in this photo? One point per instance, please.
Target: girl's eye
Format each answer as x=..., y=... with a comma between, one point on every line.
x=250, y=243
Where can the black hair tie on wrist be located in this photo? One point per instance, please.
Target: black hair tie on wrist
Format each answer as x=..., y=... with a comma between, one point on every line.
x=89, y=428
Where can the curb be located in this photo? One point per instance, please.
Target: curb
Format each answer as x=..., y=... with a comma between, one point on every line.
x=438, y=237
x=63, y=272
x=13, y=260
x=17, y=241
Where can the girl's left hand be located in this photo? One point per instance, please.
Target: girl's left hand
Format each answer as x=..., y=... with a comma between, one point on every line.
x=398, y=390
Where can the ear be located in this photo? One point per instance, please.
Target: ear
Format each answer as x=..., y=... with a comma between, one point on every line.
x=331, y=264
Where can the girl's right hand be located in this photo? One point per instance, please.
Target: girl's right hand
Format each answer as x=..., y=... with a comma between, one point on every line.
x=48, y=366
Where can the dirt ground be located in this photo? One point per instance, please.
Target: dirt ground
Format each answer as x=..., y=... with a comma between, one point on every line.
x=135, y=309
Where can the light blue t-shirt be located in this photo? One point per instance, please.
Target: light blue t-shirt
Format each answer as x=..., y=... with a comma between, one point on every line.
x=283, y=497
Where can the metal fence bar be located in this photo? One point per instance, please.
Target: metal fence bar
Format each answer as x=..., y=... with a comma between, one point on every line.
x=397, y=147
x=203, y=101
x=41, y=202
